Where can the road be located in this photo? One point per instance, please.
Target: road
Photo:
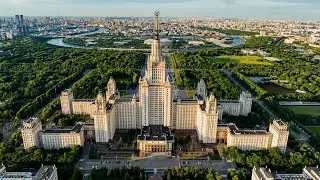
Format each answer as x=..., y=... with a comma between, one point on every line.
x=260, y=103
x=159, y=163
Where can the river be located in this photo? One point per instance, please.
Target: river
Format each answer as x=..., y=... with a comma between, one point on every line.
x=237, y=41
x=59, y=41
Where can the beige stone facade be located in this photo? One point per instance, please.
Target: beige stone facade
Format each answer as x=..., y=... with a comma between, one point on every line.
x=249, y=140
x=33, y=135
x=158, y=102
x=280, y=134
x=186, y=114
x=261, y=173
x=277, y=136
x=155, y=139
x=236, y=107
x=30, y=132
x=62, y=138
x=207, y=119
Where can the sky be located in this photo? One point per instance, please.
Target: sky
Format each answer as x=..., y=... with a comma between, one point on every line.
x=241, y=9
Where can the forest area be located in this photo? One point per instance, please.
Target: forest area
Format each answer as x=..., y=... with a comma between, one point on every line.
x=301, y=71
x=37, y=72
x=16, y=159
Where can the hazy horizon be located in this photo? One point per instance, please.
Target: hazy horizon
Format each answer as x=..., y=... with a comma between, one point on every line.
x=233, y=9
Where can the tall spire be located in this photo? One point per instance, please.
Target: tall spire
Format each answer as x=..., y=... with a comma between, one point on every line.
x=156, y=25
x=156, y=55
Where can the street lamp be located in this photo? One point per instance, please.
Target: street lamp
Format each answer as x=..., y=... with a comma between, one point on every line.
x=116, y=158
x=193, y=160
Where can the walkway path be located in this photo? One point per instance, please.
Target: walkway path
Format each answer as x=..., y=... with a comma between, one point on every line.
x=157, y=163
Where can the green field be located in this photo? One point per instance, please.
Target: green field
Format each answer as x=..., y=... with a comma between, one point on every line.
x=256, y=60
x=306, y=110
x=314, y=129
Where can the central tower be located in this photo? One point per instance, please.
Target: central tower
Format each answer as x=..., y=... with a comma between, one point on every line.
x=155, y=87
x=156, y=63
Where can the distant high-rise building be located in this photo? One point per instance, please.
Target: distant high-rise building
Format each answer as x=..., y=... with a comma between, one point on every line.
x=23, y=26
x=20, y=24
x=17, y=20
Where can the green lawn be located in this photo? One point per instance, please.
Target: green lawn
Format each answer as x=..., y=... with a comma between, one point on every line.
x=256, y=60
x=314, y=129
x=307, y=110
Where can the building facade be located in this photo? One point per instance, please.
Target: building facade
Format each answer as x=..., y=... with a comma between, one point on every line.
x=158, y=102
x=277, y=136
x=260, y=173
x=248, y=139
x=30, y=133
x=155, y=138
x=280, y=134
x=44, y=173
x=308, y=173
x=33, y=135
x=236, y=107
x=62, y=138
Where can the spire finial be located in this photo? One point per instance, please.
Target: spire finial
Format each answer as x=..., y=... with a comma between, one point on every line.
x=156, y=25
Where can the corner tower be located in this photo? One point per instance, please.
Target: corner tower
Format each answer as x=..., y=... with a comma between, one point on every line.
x=245, y=103
x=111, y=88
x=201, y=88
x=280, y=135
x=66, y=100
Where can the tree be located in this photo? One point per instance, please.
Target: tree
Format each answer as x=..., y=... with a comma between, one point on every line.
x=77, y=174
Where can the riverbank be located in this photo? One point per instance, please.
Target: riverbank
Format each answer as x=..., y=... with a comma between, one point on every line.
x=59, y=42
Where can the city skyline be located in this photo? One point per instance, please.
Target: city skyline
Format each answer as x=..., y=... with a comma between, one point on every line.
x=244, y=9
